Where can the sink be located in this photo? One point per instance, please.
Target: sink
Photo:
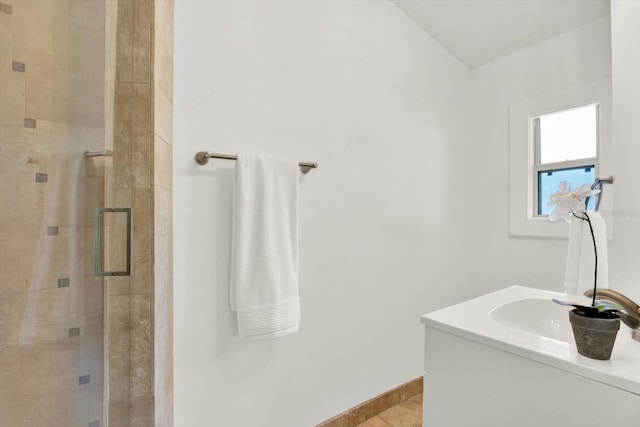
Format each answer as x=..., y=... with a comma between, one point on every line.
x=538, y=316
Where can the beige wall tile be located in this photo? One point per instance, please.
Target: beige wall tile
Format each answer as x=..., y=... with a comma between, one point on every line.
x=72, y=199
x=68, y=254
x=142, y=10
x=12, y=98
x=6, y=56
x=119, y=413
x=164, y=25
x=37, y=37
x=87, y=297
x=163, y=271
x=12, y=307
x=142, y=229
x=163, y=392
x=98, y=166
x=163, y=117
x=122, y=135
x=92, y=347
x=124, y=42
x=56, y=138
x=64, y=408
x=75, y=163
x=119, y=345
x=64, y=36
x=118, y=285
x=46, y=321
x=96, y=402
x=163, y=254
x=163, y=71
x=41, y=388
x=38, y=261
x=162, y=212
x=90, y=13
x=162, y=164
x=163, y=332
x=22, y=206
x=141, y=374
x=17, y=263
x=21, y=226
x=17, y=153
x=5, y=321
x=84, y=53
x=63, y=97
x=53, y=9
x=141, y=412
x=123, y=198
x=141, y=135
x=170, y=9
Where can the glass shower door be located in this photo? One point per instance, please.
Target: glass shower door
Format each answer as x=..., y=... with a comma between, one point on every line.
x=55, y=166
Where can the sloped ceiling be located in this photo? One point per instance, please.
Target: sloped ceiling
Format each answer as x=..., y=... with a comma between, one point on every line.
x=480, y=31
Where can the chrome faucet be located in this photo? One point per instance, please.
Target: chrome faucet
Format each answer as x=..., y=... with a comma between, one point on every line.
x=630, y=307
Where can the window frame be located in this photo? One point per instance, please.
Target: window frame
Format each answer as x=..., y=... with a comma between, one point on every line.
x=523, y=156
x=539, y=167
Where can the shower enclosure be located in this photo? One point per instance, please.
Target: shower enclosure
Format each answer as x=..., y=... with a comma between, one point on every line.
x=76, y=213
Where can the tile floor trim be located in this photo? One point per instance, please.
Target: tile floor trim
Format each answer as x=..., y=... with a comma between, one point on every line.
x=372, y=407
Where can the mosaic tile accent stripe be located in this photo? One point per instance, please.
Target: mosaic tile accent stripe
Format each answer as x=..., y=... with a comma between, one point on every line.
x=18, y=66
x=85, y=379
x=5, y=8
x=42, y=177
x=64, y=282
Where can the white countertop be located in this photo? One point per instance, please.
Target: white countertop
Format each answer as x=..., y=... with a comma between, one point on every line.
x=471, y=320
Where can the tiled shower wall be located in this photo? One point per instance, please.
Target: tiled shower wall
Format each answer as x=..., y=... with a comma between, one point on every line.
x=163, y=211
x=51, y=306
x=141, y=305
x=130, y=297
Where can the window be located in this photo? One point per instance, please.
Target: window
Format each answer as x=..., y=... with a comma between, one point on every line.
x=565, y=144
x=562, y=135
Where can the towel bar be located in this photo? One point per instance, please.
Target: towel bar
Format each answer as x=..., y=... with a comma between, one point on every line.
x=202, y=158
x=103, y=153
x=598, y=183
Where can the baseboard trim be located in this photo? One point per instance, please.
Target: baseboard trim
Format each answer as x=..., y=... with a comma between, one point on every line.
x=372, y=407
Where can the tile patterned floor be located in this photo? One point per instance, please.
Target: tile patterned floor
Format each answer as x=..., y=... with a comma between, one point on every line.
x=404, y=414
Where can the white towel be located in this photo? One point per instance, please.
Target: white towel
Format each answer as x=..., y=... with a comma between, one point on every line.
x=264, y=259
x=579, y=273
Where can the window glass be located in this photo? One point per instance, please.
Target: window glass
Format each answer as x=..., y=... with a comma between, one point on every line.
x=568, y=134
x=548, y=182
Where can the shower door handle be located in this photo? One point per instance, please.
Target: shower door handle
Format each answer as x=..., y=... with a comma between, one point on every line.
x=99, y=244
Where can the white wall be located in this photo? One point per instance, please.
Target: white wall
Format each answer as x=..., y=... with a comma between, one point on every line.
x=570, y=59
x=384, y=110
x=625, y=35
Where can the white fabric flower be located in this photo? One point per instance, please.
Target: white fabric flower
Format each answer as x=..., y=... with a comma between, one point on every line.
x=567, y=201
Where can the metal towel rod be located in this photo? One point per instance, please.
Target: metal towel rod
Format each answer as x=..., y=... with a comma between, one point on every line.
x=598, y=184
x=103, y=153
x=202, y=158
